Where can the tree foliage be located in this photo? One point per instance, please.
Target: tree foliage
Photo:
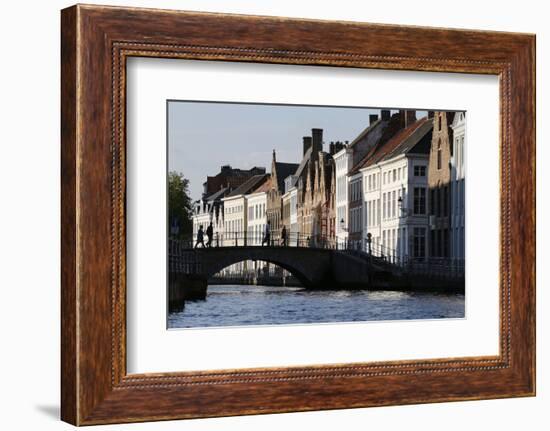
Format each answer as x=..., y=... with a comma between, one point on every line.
x=180, y=206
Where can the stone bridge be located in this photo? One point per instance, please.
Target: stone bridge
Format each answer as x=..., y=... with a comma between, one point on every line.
x=315, y=268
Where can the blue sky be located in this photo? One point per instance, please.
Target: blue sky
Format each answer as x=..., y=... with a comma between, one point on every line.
x=202, y=136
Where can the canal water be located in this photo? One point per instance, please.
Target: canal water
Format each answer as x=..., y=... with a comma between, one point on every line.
x=241, y=305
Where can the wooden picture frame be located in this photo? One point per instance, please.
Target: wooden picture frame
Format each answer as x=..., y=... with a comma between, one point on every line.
x=95, y=43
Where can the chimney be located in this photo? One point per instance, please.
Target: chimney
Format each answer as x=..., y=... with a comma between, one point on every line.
x=331, y=148
x=406, y=117
x=307, y=144
x=385, y=114
x=402, y=119
x=317, y=140
x=411, y=117
x=372, y=119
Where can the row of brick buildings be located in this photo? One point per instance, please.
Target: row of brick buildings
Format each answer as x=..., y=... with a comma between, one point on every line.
x=397, y=189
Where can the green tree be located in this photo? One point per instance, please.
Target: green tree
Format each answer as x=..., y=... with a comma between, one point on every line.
x=180, y=207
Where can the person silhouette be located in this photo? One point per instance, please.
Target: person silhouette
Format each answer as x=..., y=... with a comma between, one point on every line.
x=267, y=234
x=200, y=237
x=209, y=235
x=283, y=236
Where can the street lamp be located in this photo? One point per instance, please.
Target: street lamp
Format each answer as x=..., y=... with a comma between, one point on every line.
x=343, y=228
x=343, y=225
x=369, y=241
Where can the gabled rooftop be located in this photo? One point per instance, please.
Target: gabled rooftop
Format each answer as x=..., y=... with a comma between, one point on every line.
x=249, y=185
x=283, y=171
x=402, y=142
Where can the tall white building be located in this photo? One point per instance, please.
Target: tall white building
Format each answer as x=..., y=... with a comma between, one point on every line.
x=349, y=204
x=343, y=162
x=458, y=189
x=236, y=211
x=294, y=227
x=290, y=205
x=234, y=220
x=395, y=194
x=256, y=217
x=355, y=203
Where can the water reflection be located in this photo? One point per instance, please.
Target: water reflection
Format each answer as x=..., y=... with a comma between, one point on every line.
x=238, y=305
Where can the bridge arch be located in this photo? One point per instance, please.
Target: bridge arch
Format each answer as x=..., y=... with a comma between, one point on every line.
x=309, y=266
x=300, y=276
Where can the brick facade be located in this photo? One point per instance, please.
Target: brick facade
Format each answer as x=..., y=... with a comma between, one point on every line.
x=439, y=186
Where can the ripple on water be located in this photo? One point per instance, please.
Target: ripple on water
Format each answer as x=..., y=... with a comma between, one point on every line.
x=238, y=305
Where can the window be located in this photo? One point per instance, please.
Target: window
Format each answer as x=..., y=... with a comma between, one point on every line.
x=419, y=200
x=439, y=154
x=394, y=175
x=393, y=202
x=439, y=120
x=384, y=206
x=385, y=175
x=420, y=171
x=419, y=242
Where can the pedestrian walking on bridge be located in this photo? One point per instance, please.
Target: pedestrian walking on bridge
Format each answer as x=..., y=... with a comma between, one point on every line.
x=200, y=237
x=209, y=235
x=267, y=234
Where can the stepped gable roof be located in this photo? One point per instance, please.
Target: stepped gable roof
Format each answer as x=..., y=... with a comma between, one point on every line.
x=283, y=171
x=401, y=143
x=249, y=185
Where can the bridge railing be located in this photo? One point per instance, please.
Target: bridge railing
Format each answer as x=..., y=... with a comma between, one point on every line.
x=247, y=239
x=438, y=267
x=378, y=253
x=183, y=259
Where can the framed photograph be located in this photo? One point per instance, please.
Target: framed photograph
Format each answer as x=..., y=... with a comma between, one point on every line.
x=265, y=214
